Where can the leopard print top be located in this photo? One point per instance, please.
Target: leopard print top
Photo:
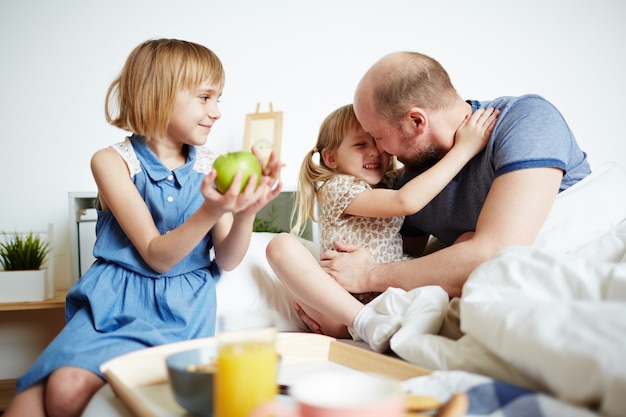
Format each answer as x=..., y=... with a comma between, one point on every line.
x=379, y=235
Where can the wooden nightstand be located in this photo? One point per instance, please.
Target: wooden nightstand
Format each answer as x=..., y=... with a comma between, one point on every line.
x=58, y=301
x=7, y=386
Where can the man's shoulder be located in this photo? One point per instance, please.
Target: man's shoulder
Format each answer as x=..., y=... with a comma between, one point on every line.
x=527, y=113
x=523, y=101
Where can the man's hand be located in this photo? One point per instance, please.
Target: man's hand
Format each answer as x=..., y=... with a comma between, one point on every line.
x=349, y=265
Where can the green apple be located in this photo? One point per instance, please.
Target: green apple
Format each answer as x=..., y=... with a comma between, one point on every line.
x=229, y=164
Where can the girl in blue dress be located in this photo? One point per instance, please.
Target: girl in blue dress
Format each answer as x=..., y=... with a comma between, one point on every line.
x=159, y=221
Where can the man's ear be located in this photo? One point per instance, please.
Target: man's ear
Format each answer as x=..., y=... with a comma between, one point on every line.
x=417, y=118
x=329, y=158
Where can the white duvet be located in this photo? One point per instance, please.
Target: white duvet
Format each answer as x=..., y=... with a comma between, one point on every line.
x=551, y=317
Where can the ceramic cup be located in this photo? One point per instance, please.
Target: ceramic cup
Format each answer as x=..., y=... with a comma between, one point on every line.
x=340, y=394
x=247, y=363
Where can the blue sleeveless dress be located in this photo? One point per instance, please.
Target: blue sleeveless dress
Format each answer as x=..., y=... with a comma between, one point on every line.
x=120, y=304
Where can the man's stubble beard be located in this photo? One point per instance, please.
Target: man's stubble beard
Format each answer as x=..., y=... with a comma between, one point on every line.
x=422, y=159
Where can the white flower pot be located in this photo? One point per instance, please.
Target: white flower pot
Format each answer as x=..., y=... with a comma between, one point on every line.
x=19, y=286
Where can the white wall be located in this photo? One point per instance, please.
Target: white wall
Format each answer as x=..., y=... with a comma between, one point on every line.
x=58, y=58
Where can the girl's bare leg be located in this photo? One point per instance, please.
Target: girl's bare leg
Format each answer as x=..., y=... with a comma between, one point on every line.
x=29, y=402
x=324, y=300
x=66, y=393
x=69, y=390
x=319, y=295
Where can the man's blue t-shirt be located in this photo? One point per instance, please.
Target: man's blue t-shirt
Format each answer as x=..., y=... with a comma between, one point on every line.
x=530, y=133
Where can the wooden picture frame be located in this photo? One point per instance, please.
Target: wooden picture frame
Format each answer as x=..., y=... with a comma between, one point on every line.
x=264, y=131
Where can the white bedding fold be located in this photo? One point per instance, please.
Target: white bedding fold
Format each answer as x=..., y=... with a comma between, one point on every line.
x=551, y=322
x=559, y=320
x=551, y=317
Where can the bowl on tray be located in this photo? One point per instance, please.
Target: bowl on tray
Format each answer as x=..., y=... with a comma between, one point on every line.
x=191, y=379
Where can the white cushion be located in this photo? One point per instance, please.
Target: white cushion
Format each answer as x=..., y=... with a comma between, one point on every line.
x=585, y=211
x=253, y=286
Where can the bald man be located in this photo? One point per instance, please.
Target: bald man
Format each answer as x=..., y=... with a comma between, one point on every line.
x=501, y=198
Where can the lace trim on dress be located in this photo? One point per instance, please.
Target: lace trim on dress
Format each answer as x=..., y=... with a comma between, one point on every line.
x=127, y=152
x=205, y=158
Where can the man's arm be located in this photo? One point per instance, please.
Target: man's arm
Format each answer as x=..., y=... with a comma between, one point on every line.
x=514, y=211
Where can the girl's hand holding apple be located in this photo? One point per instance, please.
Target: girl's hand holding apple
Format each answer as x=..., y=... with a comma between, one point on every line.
x=271, y=174
x=230, y=164
x=241, y=185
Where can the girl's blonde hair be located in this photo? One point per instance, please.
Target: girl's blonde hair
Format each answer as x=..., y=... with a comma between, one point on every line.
x=141, y=100
x=313, y=175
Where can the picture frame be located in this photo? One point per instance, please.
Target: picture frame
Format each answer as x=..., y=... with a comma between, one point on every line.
x=263, y=131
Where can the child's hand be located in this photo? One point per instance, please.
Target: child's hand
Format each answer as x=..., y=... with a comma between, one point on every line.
x=272, y=167
x=231, y=201
x=271, y=180
x=251, y=199
x=473, y=134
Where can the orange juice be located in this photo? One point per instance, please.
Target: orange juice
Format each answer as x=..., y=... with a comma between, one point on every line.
x=246, y=377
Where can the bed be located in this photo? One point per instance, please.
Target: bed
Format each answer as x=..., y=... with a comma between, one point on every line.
x=556, y=312
x=543, y=327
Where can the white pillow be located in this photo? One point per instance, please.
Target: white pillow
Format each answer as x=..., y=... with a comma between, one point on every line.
x=585, y=211
x=253, y=286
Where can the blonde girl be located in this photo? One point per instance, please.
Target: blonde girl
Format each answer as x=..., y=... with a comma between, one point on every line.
x=159, y=217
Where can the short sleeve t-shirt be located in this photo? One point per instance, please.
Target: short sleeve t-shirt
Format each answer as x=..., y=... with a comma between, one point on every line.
x=530, y=133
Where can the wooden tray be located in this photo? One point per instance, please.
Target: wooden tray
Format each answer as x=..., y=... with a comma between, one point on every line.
x=139, y=378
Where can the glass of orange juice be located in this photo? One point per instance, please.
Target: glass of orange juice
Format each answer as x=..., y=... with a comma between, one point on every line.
x=247, y=363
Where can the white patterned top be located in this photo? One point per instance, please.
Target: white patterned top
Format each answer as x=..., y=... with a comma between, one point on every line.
x=379, y=235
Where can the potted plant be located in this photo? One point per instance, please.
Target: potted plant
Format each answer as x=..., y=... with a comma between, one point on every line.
x=22, y=277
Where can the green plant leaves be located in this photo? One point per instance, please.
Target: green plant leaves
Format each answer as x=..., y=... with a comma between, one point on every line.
x=23, y=252
x=266, y=224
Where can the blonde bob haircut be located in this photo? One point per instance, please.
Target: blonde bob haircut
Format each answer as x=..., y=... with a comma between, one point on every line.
x=141, y=100
x=314, y=172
